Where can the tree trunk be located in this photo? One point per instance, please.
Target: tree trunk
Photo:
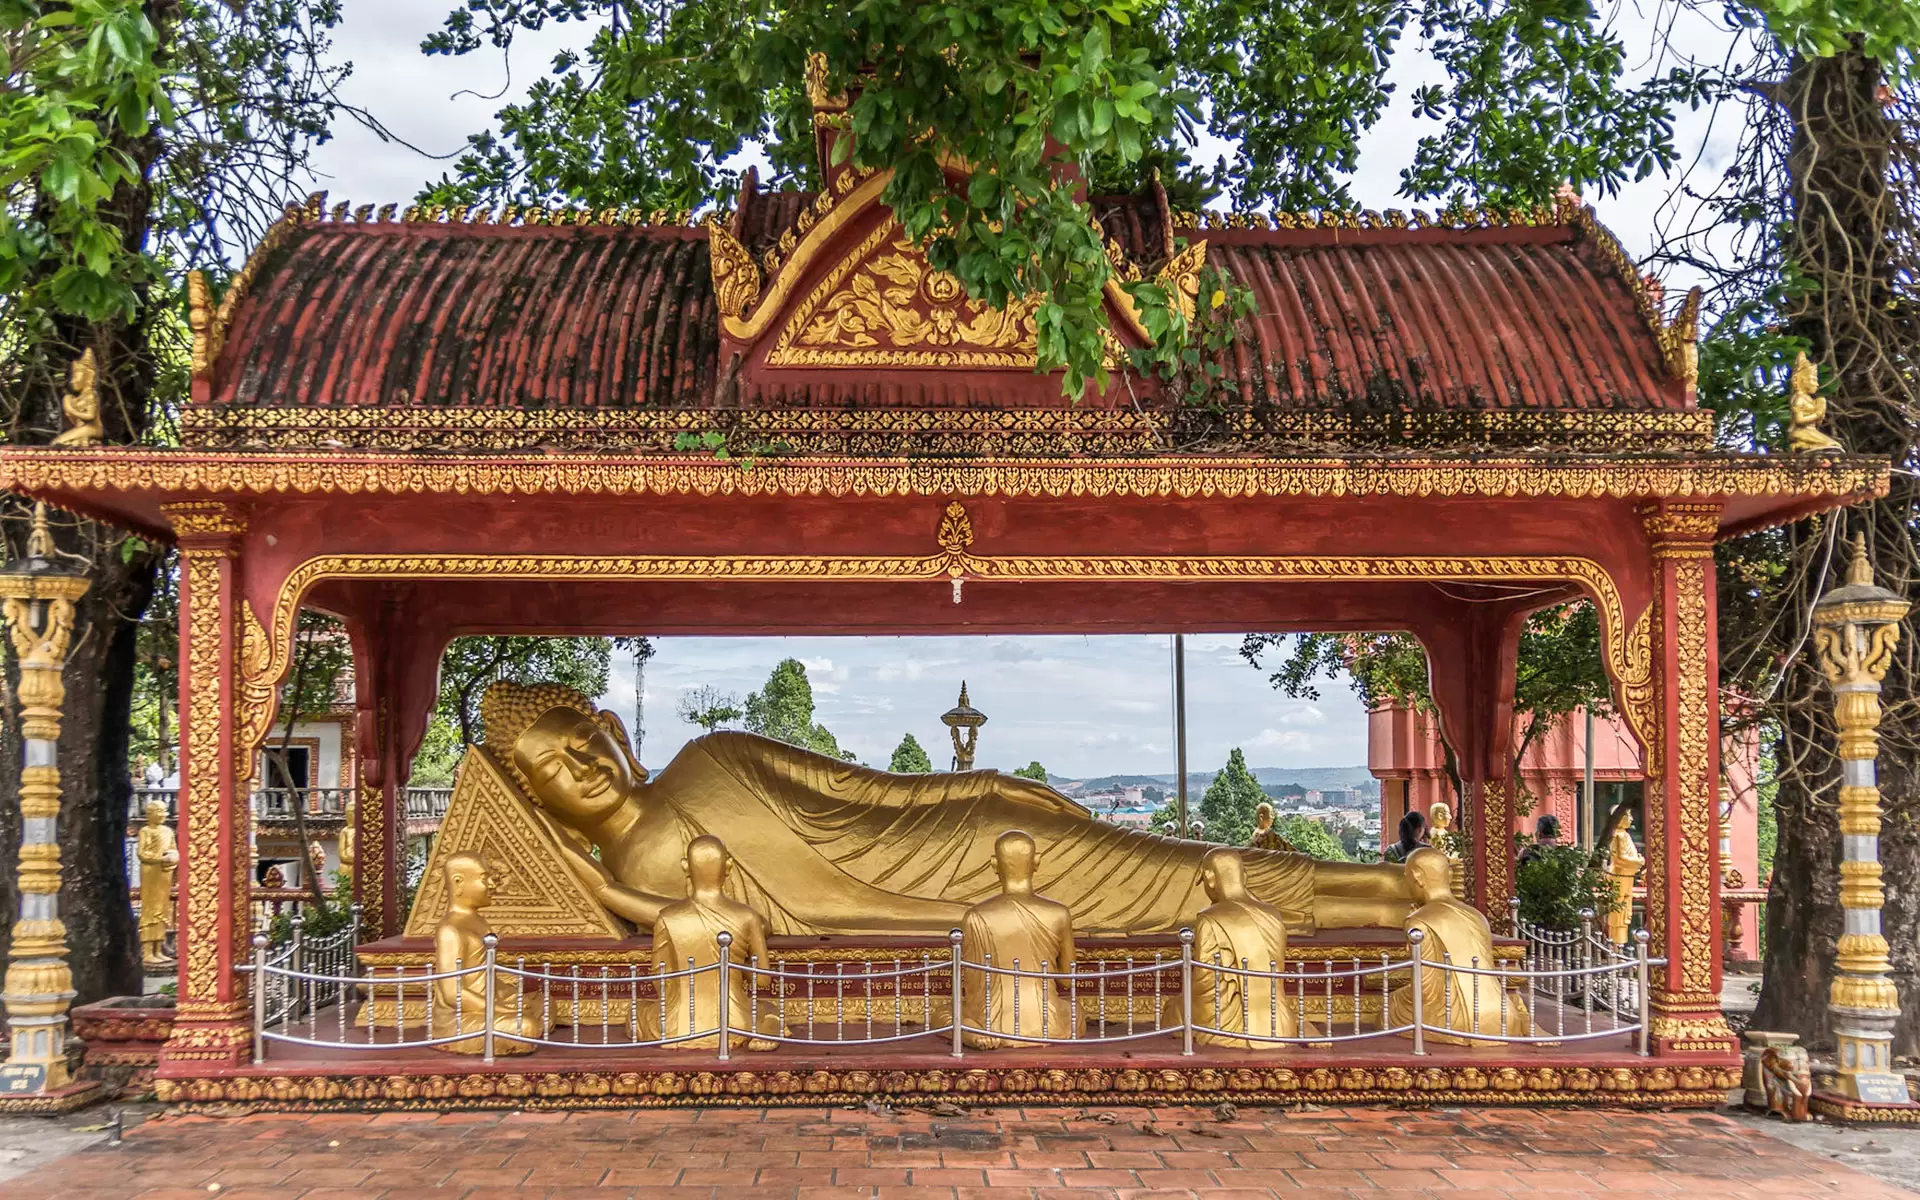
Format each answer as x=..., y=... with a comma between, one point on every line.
x=1846, y=234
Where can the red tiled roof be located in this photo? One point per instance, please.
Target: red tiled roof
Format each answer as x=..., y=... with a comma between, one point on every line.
x=1350, y=320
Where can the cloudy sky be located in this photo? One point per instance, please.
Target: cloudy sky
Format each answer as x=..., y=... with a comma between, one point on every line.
x=1082, y=706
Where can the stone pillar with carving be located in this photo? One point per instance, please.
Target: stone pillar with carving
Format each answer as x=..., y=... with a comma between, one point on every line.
x=1855, y=629
x=39, y=596
x=1682, y=779
x=215, y=761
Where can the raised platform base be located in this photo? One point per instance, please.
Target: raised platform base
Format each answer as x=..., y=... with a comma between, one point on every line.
x=76, y=1095
x=1836, y=1107
x=297, y=1077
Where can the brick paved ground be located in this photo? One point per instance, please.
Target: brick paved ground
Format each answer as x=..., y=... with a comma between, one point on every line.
x=1032, y=1154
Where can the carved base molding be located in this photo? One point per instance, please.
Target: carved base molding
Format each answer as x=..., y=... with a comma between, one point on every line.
x=75, y=1095
x=1836, y=1107
x=1648, y=1085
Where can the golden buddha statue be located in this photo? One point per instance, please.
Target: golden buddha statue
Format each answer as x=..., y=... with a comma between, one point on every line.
x=1237, y=930
x=1265, y=836
x=687, y=934
x=1455, y=933
x=1016, y=930
x=824, y=846
x=1623, y=863
x=349, y=841
x=460, y=1002
x=159, y=854
x=1440, y=833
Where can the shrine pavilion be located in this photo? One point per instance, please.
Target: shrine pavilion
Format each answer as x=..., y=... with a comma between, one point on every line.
x=468, y=421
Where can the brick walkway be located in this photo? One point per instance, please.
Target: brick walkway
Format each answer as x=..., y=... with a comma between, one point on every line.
x=1032, y=1154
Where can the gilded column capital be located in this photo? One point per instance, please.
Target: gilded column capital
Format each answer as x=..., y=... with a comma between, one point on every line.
x=1679, y=530
x=205, y=524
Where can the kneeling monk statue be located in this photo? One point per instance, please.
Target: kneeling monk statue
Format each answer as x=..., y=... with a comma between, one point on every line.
x=823, y=846
x=1236, y=931
x=1016, y=930
x=687, y=935
x=1454, y=932
x=460, y=1002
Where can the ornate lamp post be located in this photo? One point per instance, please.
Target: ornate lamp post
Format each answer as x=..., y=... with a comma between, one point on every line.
x=963, y=716
x=1855, y=629
x=38, y=596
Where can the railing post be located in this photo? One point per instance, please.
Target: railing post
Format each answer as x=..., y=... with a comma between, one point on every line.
x=1640, y=972
x=1186, y=992
x=1414, y=938
x=259, y=998
x=492, y=944
x=953, y=946
x=1513, y=917
x=353, y=930
x=725, y=1006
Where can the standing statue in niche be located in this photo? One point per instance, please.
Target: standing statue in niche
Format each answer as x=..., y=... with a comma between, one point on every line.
x=687, y=935
x=459, y=944
x=1623, y=863
x=1237, y=931
x=821, y=846
x=1016, y=930
x=159, y=854
x=349, y=841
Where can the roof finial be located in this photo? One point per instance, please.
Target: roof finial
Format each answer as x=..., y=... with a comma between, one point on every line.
x=1860, y=570
x=963, y=695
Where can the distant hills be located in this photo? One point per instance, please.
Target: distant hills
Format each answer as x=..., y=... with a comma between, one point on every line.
x=1313, y=778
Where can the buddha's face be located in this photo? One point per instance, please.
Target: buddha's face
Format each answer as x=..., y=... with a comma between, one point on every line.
x=577, y=770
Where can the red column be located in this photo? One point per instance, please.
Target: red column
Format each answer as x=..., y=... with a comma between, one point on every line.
x=213, y=1026
x=1472, y=654
x=396, y=670
x=1683, y=775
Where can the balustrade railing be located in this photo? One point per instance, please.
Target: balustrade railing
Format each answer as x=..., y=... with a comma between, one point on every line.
x=521, y=1006
x=278, y=804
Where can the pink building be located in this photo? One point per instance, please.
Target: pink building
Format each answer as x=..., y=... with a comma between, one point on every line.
x=1405, y=754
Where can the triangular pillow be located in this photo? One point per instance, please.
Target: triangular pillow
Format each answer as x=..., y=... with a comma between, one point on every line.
x=535, y=894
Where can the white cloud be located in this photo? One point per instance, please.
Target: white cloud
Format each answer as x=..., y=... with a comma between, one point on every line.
x=1289, y=741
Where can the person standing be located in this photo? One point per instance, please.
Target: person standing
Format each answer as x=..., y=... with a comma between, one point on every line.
x=1413, y=836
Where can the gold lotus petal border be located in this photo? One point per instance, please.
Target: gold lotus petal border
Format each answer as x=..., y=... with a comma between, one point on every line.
x=1689, y=1086
x=239, y=473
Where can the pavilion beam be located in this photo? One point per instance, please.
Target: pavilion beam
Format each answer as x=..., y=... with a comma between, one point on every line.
x=213, y=1022
x=1682, y=782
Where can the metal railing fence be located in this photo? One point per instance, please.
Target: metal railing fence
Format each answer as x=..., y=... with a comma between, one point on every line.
x=520, y=1006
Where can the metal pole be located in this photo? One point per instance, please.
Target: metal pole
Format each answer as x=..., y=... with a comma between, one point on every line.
x=1186, y=993
x=492, y=943
x=726, y=975
x=1180, y=731
x=1640, y=971
x=953, y=944
x=1588, y=818
x=1414, y=938
x=259, y=998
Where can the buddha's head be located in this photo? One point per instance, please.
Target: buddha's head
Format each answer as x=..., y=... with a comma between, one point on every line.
x=574, y=765
x=156, y=812
x=1014, y=857
x=1429, y=875
x=1263, y=816
x=1223, y=873
x=705, y=863
x=469, y=883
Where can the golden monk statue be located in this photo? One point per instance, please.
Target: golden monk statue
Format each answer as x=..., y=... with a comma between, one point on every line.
x=1016, y=930
x=159, y=855
x=1265, y=836
x=349, y=841
x=1237, y=931
x=1623, y=863
x=1440, y=833
x=459, y=944
x=687, y=933
x=1454, y=932
x=824, y=846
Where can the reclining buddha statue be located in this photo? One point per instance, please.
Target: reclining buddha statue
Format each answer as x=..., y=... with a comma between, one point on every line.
x=823, y=846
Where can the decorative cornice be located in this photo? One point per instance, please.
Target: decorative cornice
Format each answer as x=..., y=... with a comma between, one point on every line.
x=205, y=518
x=65, y=474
